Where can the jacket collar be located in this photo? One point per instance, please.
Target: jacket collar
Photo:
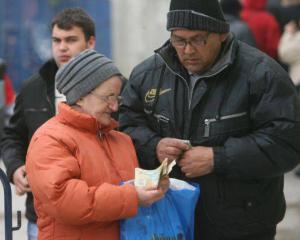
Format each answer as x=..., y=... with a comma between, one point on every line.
x=226, y=58
x=82, y=121
x=48, y=70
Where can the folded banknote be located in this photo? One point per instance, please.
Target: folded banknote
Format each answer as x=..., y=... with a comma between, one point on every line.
x=150, y=178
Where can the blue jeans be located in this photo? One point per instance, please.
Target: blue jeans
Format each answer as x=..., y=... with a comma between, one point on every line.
x=32, y=231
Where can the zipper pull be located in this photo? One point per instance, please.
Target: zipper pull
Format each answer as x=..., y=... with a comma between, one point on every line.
x=100, y=135
x=207, y=123
x=206, y=128
x=161, y=118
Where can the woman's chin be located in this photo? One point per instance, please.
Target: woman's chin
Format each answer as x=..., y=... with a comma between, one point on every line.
x=105, y=122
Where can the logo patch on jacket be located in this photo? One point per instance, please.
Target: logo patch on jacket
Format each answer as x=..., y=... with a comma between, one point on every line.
x=150, y=95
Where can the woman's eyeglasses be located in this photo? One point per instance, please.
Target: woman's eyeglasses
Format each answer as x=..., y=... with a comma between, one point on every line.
x=110, y=99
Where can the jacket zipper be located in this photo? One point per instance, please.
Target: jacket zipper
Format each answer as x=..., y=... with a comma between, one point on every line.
x=50, y=105
x=189, y=93
x=185, y=133
x=208, y=76
x=207, y=122
x=221, y=189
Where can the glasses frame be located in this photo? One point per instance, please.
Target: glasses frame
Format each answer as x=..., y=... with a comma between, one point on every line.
x=109, y=99
x=195, y=42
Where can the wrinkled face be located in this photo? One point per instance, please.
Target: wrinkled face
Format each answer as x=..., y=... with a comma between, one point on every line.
x=197, y=50
x=68, y=43
x=103, y=100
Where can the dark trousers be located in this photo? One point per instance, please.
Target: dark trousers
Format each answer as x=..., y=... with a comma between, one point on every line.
x=205, y=230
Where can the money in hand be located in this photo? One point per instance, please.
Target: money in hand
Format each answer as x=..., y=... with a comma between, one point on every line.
x=150, y=178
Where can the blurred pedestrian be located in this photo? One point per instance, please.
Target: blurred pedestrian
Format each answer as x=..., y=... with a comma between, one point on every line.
x=73, y=31
x=236, y=106
x=232, y=9
x=289, y=50
x=7, y=96
x=290, y=10
x=263, y=25
x=289, y=53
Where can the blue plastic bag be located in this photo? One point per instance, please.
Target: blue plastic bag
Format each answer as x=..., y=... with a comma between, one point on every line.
x=170, y=218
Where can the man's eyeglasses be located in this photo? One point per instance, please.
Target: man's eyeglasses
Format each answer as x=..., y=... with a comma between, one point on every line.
x=110, y=99
x=196, y=42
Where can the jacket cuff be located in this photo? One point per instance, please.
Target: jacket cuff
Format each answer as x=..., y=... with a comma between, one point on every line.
x=147, y=154
x=10, y=170
x=131, y=200
x=219, y=160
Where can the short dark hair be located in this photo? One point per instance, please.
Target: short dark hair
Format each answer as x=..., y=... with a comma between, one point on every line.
x=71, y=17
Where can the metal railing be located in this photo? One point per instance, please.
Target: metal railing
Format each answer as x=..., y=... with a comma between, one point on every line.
x=8, y=208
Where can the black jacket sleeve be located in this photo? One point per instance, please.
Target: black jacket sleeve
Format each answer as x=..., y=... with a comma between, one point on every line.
x=273, y=146
x=14, y=142
x=133, y=121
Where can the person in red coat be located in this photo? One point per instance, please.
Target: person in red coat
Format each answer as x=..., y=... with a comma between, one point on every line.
x=7, y=96
x=263, y=25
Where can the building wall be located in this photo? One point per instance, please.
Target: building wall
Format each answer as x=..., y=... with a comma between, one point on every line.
x=138, y=28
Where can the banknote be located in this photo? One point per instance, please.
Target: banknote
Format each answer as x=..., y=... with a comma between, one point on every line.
x=150, y=178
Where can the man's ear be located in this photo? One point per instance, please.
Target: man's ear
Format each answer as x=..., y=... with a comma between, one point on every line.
x=91, y=42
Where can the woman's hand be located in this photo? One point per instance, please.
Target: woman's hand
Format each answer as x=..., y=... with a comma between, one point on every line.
x=148, y=196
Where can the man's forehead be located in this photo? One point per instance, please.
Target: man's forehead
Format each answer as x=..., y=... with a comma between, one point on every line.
x=74, y=31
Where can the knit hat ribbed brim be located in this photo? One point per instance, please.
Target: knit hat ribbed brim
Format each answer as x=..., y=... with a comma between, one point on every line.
x=84, y=73
x=197, y=15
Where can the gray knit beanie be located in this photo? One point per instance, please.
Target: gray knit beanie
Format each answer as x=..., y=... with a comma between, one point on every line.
x=84, y=73
x=205, y=15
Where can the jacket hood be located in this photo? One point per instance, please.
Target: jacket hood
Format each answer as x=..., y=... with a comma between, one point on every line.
x=82, y=121
x=255, y=4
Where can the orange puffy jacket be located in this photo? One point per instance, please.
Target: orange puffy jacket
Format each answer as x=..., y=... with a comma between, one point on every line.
x=75, y=175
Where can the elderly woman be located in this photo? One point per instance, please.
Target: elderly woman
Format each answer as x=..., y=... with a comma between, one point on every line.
x=76, y=161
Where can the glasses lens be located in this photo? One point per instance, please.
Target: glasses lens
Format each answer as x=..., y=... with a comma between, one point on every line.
x=113, y=99
x=198, y=41
x=119, y=100
x=178, y=42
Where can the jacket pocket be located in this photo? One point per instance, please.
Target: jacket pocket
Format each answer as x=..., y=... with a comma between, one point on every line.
x=226, y=124
x=159, y=122
x=35, y=117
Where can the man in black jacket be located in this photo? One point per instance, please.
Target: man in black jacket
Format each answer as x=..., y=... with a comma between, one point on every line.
x=73, y=31
x=237, y=107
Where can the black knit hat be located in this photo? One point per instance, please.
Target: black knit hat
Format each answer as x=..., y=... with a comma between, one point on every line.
x=84, y=73
x=205, y=15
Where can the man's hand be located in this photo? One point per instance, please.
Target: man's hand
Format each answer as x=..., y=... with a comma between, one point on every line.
x=171, y=148
x=20, y=181
x=197, y=161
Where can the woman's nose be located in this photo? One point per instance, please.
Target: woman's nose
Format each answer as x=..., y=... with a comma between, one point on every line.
x=114, y=106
